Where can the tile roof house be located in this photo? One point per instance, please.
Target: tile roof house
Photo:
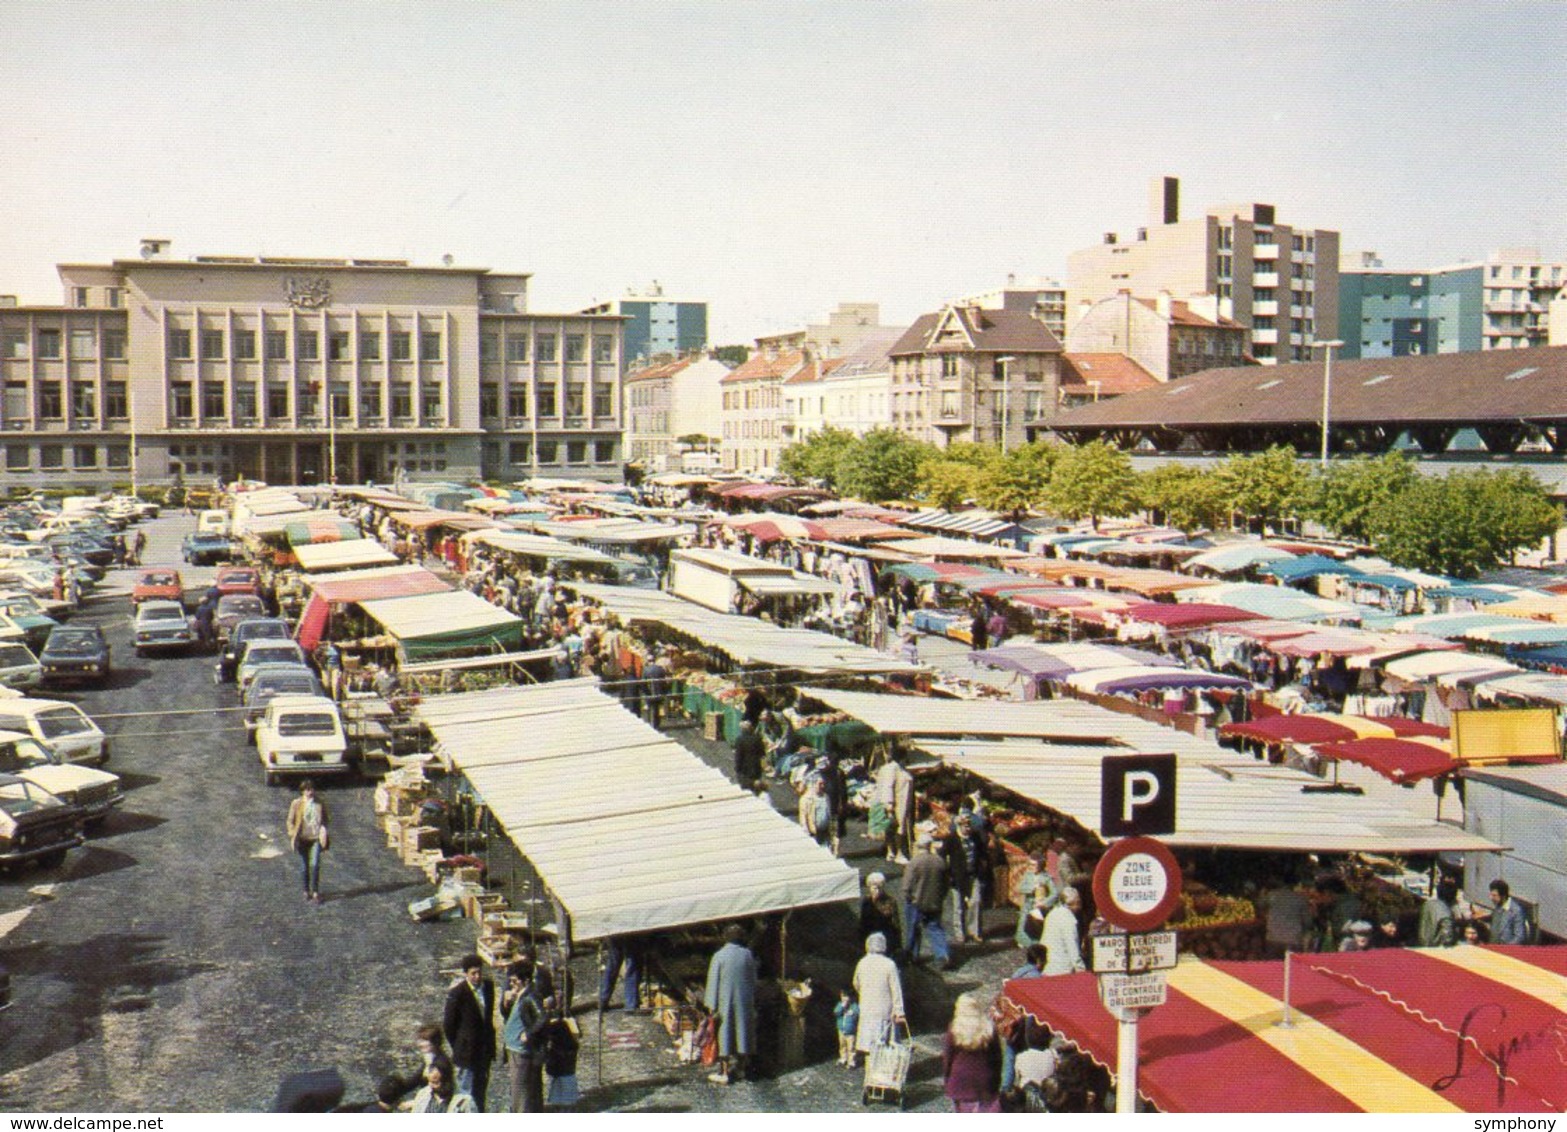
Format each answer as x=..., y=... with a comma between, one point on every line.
x=669, y=399
x=750, y=437
x=1168, y=338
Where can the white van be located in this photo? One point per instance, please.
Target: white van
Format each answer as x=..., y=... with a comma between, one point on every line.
x=213, y=523
x=59, y=726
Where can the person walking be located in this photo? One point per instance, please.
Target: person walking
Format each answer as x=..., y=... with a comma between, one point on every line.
x=1060, y=935
x=971, y=1057
x=522, y=1036
x=731, y=997
x=560, y=1057
x=924, y=900
x=308, y=832
x=623, y=955
x=655, y=688
x=469, y=1023
x=879, y=911
x=880, y=989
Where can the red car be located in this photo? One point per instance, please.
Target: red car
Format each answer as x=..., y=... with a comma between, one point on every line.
x=237, y=580
x=162, y=585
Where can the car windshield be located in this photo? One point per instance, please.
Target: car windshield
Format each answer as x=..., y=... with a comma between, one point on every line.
x=61, y=721
x=301, y=723
x=15, y=656
x=239, y=605
x=261, y=630
x=162, y=613
x=73, y=644
x=157, y=579
x=239, y=578
x=22, y=754
x=20, y=797
x=265, y=654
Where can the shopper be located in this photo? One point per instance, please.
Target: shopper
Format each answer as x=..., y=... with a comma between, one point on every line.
x=880, y=988
x=1061, y=935
x=924, y=899
x=522, y=1036
x=1509, y=922
x=731, y=997
x=469, y=1023
x=308, y=835
x=440, y=1094
x=971, y=1057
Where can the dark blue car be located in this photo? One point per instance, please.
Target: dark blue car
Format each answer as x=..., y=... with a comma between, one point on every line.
x=207, y=549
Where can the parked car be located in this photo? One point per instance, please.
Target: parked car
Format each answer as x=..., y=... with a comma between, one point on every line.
x=237, y=580
x=24, y=609
x=19, y=668
x=75, y=654
x=158, y=585
x=301, y=735
x=234, y=608
x=207, y=549
x=161, y=626
x=94, y=792
x=266, y=651
x=271, y=681
x=35, y=825
x=255, y=629
x=61, y=727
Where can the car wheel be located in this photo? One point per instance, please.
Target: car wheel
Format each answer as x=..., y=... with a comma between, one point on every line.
x=52, y=860
x=271, y=779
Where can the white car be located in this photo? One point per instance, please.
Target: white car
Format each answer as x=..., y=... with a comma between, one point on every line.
x=301, y=735
x=61, y=727
x=96, y=792
x=265, y=650
x=19, y=668
x=161, y=625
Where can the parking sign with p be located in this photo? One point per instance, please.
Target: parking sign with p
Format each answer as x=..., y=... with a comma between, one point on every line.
x=1137, y=796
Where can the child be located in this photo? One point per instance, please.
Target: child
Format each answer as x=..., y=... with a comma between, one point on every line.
x=846, y=1016
x=560, y=1057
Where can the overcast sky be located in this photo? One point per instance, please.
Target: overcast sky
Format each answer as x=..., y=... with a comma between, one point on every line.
x=772, y=158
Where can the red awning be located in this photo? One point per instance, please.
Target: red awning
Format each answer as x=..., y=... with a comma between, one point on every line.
x=1278, y=729
x=1379, y=1031
x=1401, y=760
x=403, y=583
x=1187, y=615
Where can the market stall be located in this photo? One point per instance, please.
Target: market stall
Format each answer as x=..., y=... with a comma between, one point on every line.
x=454, y=623
x=350, y=554
x=330, y=592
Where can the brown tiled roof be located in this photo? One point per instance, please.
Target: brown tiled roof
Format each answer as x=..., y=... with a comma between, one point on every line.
x=760, y=367
x=1492, y=385
x=662, y=369
x=814, y=371
x=993, y=332
x=1181, y=314
x=1114, y=374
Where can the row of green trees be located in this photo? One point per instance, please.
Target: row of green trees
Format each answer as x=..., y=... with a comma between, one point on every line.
x=1460, y=523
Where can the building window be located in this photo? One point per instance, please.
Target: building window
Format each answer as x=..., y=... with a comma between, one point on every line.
x=212, y=344
x=402, y=400
x=18, y=457
x=430, y=346
x=549, y=452
x=517, y=401
x=603, y=400
x=576, y=399
x=84, y=343
x=114, y=296
x=182, y=405
x=118, y=456
x=84, y=455
x=489, y=401
x=117, y=401
x=576, y=348
x=245, y=402
x=547, y=402
x=212, y=401
x=337, y=346
x=277, y=345
x=179, y=344
x=489, y=347
x=431, y=396
x=244, y=345
x=277, y=401
x=13, y=343
x=402, y=346
x=576, y=452
x=84, y=401
x=51, y=407
x=603, y=347
x=307, y=345
x=48, y=342
x=79, y=296
x=519, y=452
x=544, y=348
x=516, y=349
x=340, y=402
x=370, y=401
x=369, y=345
x=604, y=451
x=51, y=457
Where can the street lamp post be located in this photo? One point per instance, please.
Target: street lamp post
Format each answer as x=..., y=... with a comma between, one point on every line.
x=1005, y=362
x=1327, y=388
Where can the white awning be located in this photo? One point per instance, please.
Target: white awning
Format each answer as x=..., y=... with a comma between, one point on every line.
x=937, y=546
x=343, y=555
x=1435, y=665
x=1222, y=801
x=437, y=614
x=629, y=830
x=538, y=546
x=466, y=663
x=799, y=585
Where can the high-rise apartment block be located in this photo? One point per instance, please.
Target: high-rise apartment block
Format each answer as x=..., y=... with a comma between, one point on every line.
x=658, y=326
x=269, y=368
x=1278, y=280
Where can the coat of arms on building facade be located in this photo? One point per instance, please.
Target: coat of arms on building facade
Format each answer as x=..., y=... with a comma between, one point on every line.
x=309, y=292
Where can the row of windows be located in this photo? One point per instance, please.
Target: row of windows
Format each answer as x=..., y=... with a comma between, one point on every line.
x=545, y=347
x=51, y=402
x=51, y=457
x=546, y=399
x=47, y=343
x=213, y=345
x=520, y=452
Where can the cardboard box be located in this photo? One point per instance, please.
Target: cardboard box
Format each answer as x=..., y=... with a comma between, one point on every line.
x=713, y=725
x=432, y=907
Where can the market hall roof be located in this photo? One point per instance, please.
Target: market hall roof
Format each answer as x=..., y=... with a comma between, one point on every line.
x=1502, y=386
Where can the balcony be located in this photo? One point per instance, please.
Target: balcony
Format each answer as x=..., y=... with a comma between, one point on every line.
x=1264, y=337
x=1271, y=307
x=1265, y=279
x=1265, y=251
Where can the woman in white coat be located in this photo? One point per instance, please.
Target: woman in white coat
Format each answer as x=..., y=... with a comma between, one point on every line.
x=880, y=991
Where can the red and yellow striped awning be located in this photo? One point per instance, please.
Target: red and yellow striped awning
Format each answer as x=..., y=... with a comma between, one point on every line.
x=1460, y=1029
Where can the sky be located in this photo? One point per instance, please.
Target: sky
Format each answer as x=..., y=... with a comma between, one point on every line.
x=772, y=158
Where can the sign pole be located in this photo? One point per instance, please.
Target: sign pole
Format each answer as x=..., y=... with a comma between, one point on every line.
x=1126, y=1061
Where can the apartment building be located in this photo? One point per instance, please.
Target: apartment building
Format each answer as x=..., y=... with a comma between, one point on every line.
x=657, y=325
x=1037, y=295
x=668, y=400
x=752, y=436
x=1167, y=338
x=1500, y=303
x=1278, y=280
x=972, y=374
x=852, y=392
x=302, y=370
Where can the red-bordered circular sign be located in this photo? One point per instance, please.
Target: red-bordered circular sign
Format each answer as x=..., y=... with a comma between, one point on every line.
x=1137, y=884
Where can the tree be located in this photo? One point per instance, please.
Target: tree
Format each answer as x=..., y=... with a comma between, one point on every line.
x=949, y=483
x=816, y=457
x=1188, y=498
x=697, y=440
x=731, y=356
x=1091, y=481
x=1268, y=486
x=1464, y=522
x=1020, y=480
x=1345, y=498
x=881, y=465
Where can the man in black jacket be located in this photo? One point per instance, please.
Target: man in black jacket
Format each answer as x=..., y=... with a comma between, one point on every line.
x=469, y=1022
x=749, y=752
